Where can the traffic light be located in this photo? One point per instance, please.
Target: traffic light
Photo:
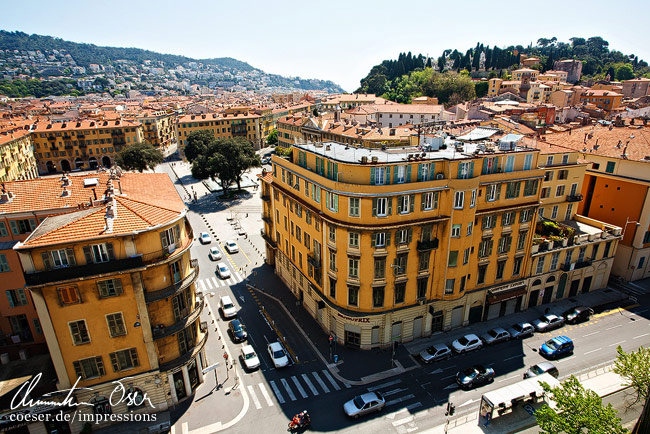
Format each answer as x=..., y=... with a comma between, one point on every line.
x=451, y=409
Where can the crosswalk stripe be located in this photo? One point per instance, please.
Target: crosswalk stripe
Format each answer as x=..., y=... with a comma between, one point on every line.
x=400, y=399
x=347, y=385
x=255, y=400
x=277, y=392
x=300, y=389
x=266, y=394
x=288, y=389
x=381, y=386
x=309, y=383
x=322, y=384
x=207, y=282
x=331, y=380
x=216, y=282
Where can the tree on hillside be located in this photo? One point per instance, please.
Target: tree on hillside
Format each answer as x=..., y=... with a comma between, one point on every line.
x=625, y=72
x=272, y=138
x=197, y=143
x=635, y=368
x=578, y=411
x=139, y=156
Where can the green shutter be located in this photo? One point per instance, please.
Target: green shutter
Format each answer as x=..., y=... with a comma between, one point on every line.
x=412, y=202
x=14, y=227
x=70, y=254
x=389, y=207
x=110, y=251
x=471, y=169
x=163, y=240
x=372, y=176
x=374, y=206
x=399, y=204
x=485, y=166
x=422, y=201
x=499, y=191
x=408, y=173
x=409, y=236
x=459, y=170
x=116, y=365
x=10, y=298
x=373, y=240
x=387, y=238
x=336, y=202
x=88, y=254
x=395, y=172
x=46, y=260
x=432, y=171
x=388, y=175
x=419, y=172
x=32, y=224
x=77, y=369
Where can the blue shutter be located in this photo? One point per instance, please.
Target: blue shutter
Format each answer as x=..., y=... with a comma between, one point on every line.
x=408, y=173
x=460, y=172
x=471, y=169
x=432, y=171
x=419, y=172
x=372, y=176
x=395, y=174
x=485, y=166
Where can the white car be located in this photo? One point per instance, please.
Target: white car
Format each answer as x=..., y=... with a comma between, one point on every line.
x=205, y=238
x=249, y=357
x=228, y=308
x=548, y=322
x=231, y=246
x=278, y=355
x=467, y=343
x=222, y=270
x=214, y=254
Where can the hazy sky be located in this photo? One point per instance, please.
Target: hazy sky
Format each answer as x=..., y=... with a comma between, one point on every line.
x=332, y=40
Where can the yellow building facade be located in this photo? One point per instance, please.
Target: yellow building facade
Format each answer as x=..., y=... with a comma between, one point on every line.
x=159, y=128
x=222, y=125
x=17, y=159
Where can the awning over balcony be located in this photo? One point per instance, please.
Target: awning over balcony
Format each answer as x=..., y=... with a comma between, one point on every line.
x=498, y=295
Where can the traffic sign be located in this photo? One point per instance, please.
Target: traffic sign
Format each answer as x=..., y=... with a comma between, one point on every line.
x=212, y=367
x=225, y=356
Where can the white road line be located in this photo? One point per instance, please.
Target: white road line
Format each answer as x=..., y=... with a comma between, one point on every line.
x=614, y=327
x=592, y=351
x=640, y=336
x=513, y=357
x=310, y=384
x=381, y=386
x=448, y=376
x=414, y=405
x=403, y=421
x=617, y=343
x=393, y=392
x=288, y=389
x=590, y=334
x=564, y=360
x=400, y=399
x=172, y=430
x=331, y=380
x=184, y=428
x=207, y=282
x=266, y=394
x=277, y=392
x=640, y=311
x=202, y=286
x=300, y=389
x=322, y=384
x=255, y=400
x=216, y=282
x=347, y=385
x=508, y=378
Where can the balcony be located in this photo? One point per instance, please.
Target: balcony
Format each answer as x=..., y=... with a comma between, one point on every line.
x=575, y=265
x=79, y=271
x=267, y=219
x=269, y=240
x=266, y=197
x=187, y=356
x=314, y=262
x=170, y=291
x=574, y=198
x=186, y=318
x=427, y=245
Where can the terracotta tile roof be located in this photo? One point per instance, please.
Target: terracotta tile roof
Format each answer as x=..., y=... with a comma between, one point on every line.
x=10, y=137
x=266, y=177
x=85, y=125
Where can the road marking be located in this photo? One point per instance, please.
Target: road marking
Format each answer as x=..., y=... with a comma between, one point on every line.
x=568, y=358
x=277, y=392
x=468, y=402
x=513, y=357
x=640, y=336
x=590, y=334
x=403, y=421
x=255, y=400
x=184, y=428
x=437, y=371
x=215, y=281
x=381, y=386
x=617, y=343
x=614, y=327
x=266, y=394
x=322, y=384
x=449, y=367
x=288, y=389
x=298, y=386
x=207, y=282
x=452, y=386
x=592, y=351
x=448, y=376
x=414, y=405
x=203, y=288
x=506, y=379
x=310, y=384
x=331, y=380
x=393, y=392
x=401, y=399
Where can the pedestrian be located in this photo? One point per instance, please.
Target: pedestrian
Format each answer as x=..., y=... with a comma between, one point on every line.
x=547, y=310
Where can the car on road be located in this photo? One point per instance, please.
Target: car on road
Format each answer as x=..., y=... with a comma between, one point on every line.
x=214, y=254
x=521, y=330
x=228, y=308
x=466, y=343
x=495, y=336
x=249, y=357
x=231, y=246
x=278, y=355
x=435, y=352
x=474, y=376
x=222, y=270
x=557, y=347
x=237, y=331
x=548, y=322
x=577, y=314
x=542, y=368
x=364, y=404
x=205, y=238
x=266, y=160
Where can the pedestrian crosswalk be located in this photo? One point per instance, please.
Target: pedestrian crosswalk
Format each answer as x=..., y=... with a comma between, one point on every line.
x=213, y=282
x=636, y=289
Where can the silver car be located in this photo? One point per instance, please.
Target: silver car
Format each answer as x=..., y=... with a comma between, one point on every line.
x=435, y=352
x=466, y=343
x=364, y=404
x=521, y=330
x=548, y=322
x=495, y=335
x=542, y=368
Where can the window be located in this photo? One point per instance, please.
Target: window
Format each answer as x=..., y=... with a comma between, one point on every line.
x=554, y=212
x=608, y=246
x=565, y=158
x=68, y=295
x=353, y=295
x=354, y=207
x=530, y=187
x=430, y=200
x=378, y=175
x=581, y=254
x=353, y=239
x=516, y=266
x=298, y=234
x=507, y=218
x=504, y=244
x=459, y=199
x=569, y=210
x=489, y=165
x=567, y=258
x=453, y=258
x=332, y=233
x=422, y=287
x=449, y=286
x=482, y=269
x=380, y=239
x=404, y=236
x=316, y=193
x=109, y=288
x=332, y=201
x=562, y=174
x=487, y=222
x=594, y=251
x=510, y=163
x=528, y=161
x=125, y=359
x=3, y=230
x=472, y=202
x=548, y=175
x=465, y=170
x=16, y=297
x=169, y=237
x=521, y=240
x=492, y=192
x=540, y=265
x=381, y=206
x=115, y=324
x=423, y=261
x=425, y=172
x=455, y=231
x=546, y=192
x=380, y=268
x=426, y=233
x=79, y=332
x=512, y=190
x=400, y=174
x=466, y=256
x=470, y=226
x=400, y=264
x=501, y=265
x=541, y=213
x=89, y=368
x=549, y=160
x=525, y=216
x=559, y=191
x=485, y=248
x=4, y=264
x=24, y=226
x=98, y=253
x=378, y=296
x=353, y=267
x=332, y=260
x=400, y=292
x=555, y=257
x=610, y=167
x=332, y=287
x=405, y=204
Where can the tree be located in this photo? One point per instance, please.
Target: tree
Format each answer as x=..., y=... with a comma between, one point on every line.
x=624, y=72
x=634, y=367
x=578, y=411
x=272, y=138
x=139, y=156
x=197, y=144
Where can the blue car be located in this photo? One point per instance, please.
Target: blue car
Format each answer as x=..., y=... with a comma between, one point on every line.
x=556, y=347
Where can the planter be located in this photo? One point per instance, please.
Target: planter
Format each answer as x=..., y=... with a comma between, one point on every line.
x=535, y=248
x=565, y=242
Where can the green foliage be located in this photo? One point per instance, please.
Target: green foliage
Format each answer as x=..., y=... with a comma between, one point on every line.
x=139, y=156
x=197, y=144
x=578, y=411
x=283, y=152
x=449, y=87
x=624, y=72
x=635, y=368
x=38, y=88
x=272, y=138
x=481, y=88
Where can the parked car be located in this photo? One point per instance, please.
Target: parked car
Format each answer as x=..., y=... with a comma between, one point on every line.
x=474, y=376
x=237, y=331
x=577, y=314
x=222, y=270
x=266, y=160
x=227, y=307
x=521, y=330
x=495, y=336
x=542, y=368
x=232, y=246
x=278, y=355
x=435, y=352
x=548, y=322
x=364, y=404
x=205, y=238
x=466, y=343
x=214, y=254
x=249, y=357
x=557, y=347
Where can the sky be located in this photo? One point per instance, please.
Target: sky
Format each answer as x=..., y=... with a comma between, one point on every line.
x=330, y=40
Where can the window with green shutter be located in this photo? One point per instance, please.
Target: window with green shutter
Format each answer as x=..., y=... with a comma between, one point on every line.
x=4, y=264
x=125, y=359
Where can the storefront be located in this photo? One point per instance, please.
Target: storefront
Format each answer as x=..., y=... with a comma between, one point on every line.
x=504, y=300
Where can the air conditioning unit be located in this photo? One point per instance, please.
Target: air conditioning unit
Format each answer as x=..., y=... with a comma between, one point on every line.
x=573, y=266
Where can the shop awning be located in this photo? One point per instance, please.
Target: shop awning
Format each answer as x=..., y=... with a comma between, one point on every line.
x=499, y=296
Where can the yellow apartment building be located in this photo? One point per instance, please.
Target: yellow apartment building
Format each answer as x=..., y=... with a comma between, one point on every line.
x=223, y=125
x=87, y=144
x=113, y=285
x=159, y=128
x=17, y=156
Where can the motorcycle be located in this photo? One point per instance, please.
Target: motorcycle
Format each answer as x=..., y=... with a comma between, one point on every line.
x=299, y=421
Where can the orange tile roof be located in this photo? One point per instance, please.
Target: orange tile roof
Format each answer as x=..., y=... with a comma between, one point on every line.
x=10, y=137
x=85, y=124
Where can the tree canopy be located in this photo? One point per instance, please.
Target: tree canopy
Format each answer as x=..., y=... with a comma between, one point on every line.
x=139, y=156
x=450, y=88
x=272, y=138
x=635, y=368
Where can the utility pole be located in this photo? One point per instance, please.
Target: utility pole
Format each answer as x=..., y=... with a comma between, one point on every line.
x=451, y=409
